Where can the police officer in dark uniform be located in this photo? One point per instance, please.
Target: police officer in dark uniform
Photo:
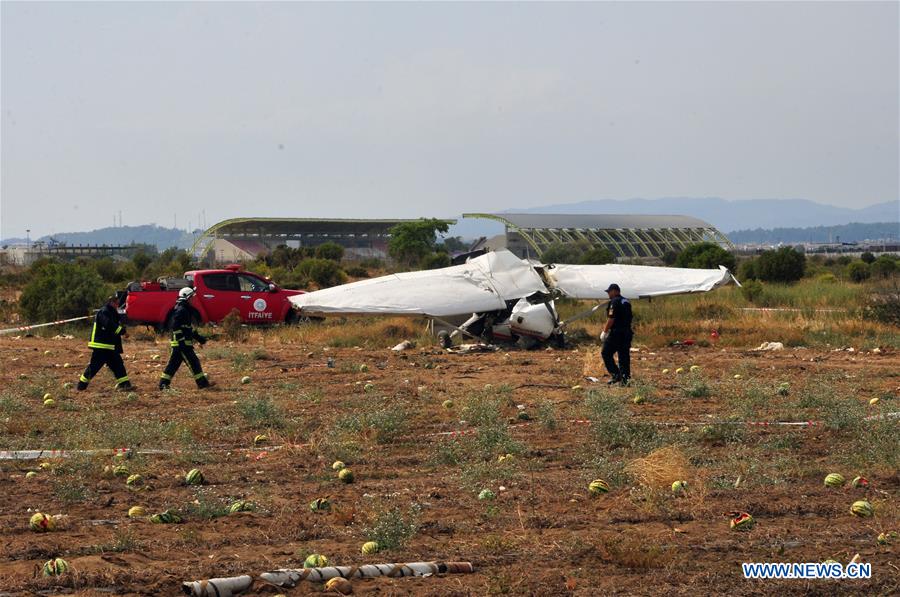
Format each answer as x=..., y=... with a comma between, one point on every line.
x=106, y=345
x=616, y=336
x=183, y=336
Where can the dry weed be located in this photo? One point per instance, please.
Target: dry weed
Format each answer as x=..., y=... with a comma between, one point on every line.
x=593, y=363
x=661, y=468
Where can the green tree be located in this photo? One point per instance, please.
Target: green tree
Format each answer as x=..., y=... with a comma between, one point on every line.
x=747, y=270
x=455, y=244
x=859, y=271
x=285, y=256
x=781, y=265
x=597, y=256
x=114, y=271
x=705, y=256
x=867, y=257
x=670, y=257
x=330, y=250
x=435, y=260
x=883, y=267
x=562, y=253
x=324, y=272
x=171, y=262
x=62, y=290
x=290, y=279
x=412, y=241
x=141, y=260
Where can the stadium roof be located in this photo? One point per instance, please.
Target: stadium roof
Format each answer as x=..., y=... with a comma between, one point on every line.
x=596, y=221
x=625, y=235
x=295, y=228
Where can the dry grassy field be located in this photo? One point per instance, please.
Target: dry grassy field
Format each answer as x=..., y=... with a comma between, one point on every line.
x=417, y=484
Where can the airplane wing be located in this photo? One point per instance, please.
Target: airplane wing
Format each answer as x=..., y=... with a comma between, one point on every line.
x=483, y=284
x=636, y=281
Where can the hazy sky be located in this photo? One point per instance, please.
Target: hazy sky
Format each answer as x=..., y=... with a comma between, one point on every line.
x=407, y=110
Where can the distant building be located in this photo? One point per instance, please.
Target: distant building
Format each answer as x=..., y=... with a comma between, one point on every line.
x=626, y=236
x=236, y=250
x=25, y=255
x=245, y=239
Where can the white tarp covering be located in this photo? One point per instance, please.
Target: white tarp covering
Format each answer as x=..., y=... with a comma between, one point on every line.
x=636, y=281
x=483, y=284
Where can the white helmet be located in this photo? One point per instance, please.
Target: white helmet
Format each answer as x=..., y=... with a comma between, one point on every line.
x=185, y=293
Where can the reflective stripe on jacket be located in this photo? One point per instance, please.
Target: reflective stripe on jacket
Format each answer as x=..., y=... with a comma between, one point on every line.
x=107, y=331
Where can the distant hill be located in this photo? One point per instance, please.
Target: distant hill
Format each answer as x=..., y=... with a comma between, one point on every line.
x=150, y=234
x=723, y=214
x=848, y=233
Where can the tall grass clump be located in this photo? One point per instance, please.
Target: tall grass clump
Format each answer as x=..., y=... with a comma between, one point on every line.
x=612, y=427
x=392, y=526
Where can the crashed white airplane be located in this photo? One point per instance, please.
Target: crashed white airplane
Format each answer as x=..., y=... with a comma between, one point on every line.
x=506, y=298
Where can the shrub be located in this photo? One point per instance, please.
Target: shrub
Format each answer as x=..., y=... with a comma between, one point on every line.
x=752, y=290
x=859, y=271
x=330, y=250
x=867, y=257
x=171, y=262
x=782, y=265
x=392, y=527
x=696, y=387
x=612, y=426
x=357, y=271
x=232, y=327
x=884, y=305
x=705, y=256
x=284, y=256
x=597, y=256
x=113, y=271
x=62, y=290
x=372, y=263
x=747, y=270
x=324, y=272
x=562, y=253
x=141, y=260
x=260, y=412
x=827, y=278
x=883, y=267
x=410, y=242
x=290, y=279
x=670, y=257
x=435, y=261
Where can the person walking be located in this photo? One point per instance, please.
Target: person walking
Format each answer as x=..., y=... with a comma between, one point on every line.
x=616, y=337
x=106, y=347
x=183, y=336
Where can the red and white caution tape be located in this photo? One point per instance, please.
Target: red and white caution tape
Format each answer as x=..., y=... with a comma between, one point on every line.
x=25, y=328
x=262, y=452
x=38, y=454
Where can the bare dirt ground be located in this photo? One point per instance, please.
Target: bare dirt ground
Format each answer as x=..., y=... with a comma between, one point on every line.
x=543, y=534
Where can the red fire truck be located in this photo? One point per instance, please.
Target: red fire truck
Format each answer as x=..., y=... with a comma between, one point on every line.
x=218, y=292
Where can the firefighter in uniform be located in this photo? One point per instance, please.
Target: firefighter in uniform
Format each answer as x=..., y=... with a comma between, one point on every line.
x=616, y=336
x=106, y=342
x=183, y=336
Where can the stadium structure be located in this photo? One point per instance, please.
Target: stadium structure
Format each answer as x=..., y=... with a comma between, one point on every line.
x=242, y=239
x=626, y=236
